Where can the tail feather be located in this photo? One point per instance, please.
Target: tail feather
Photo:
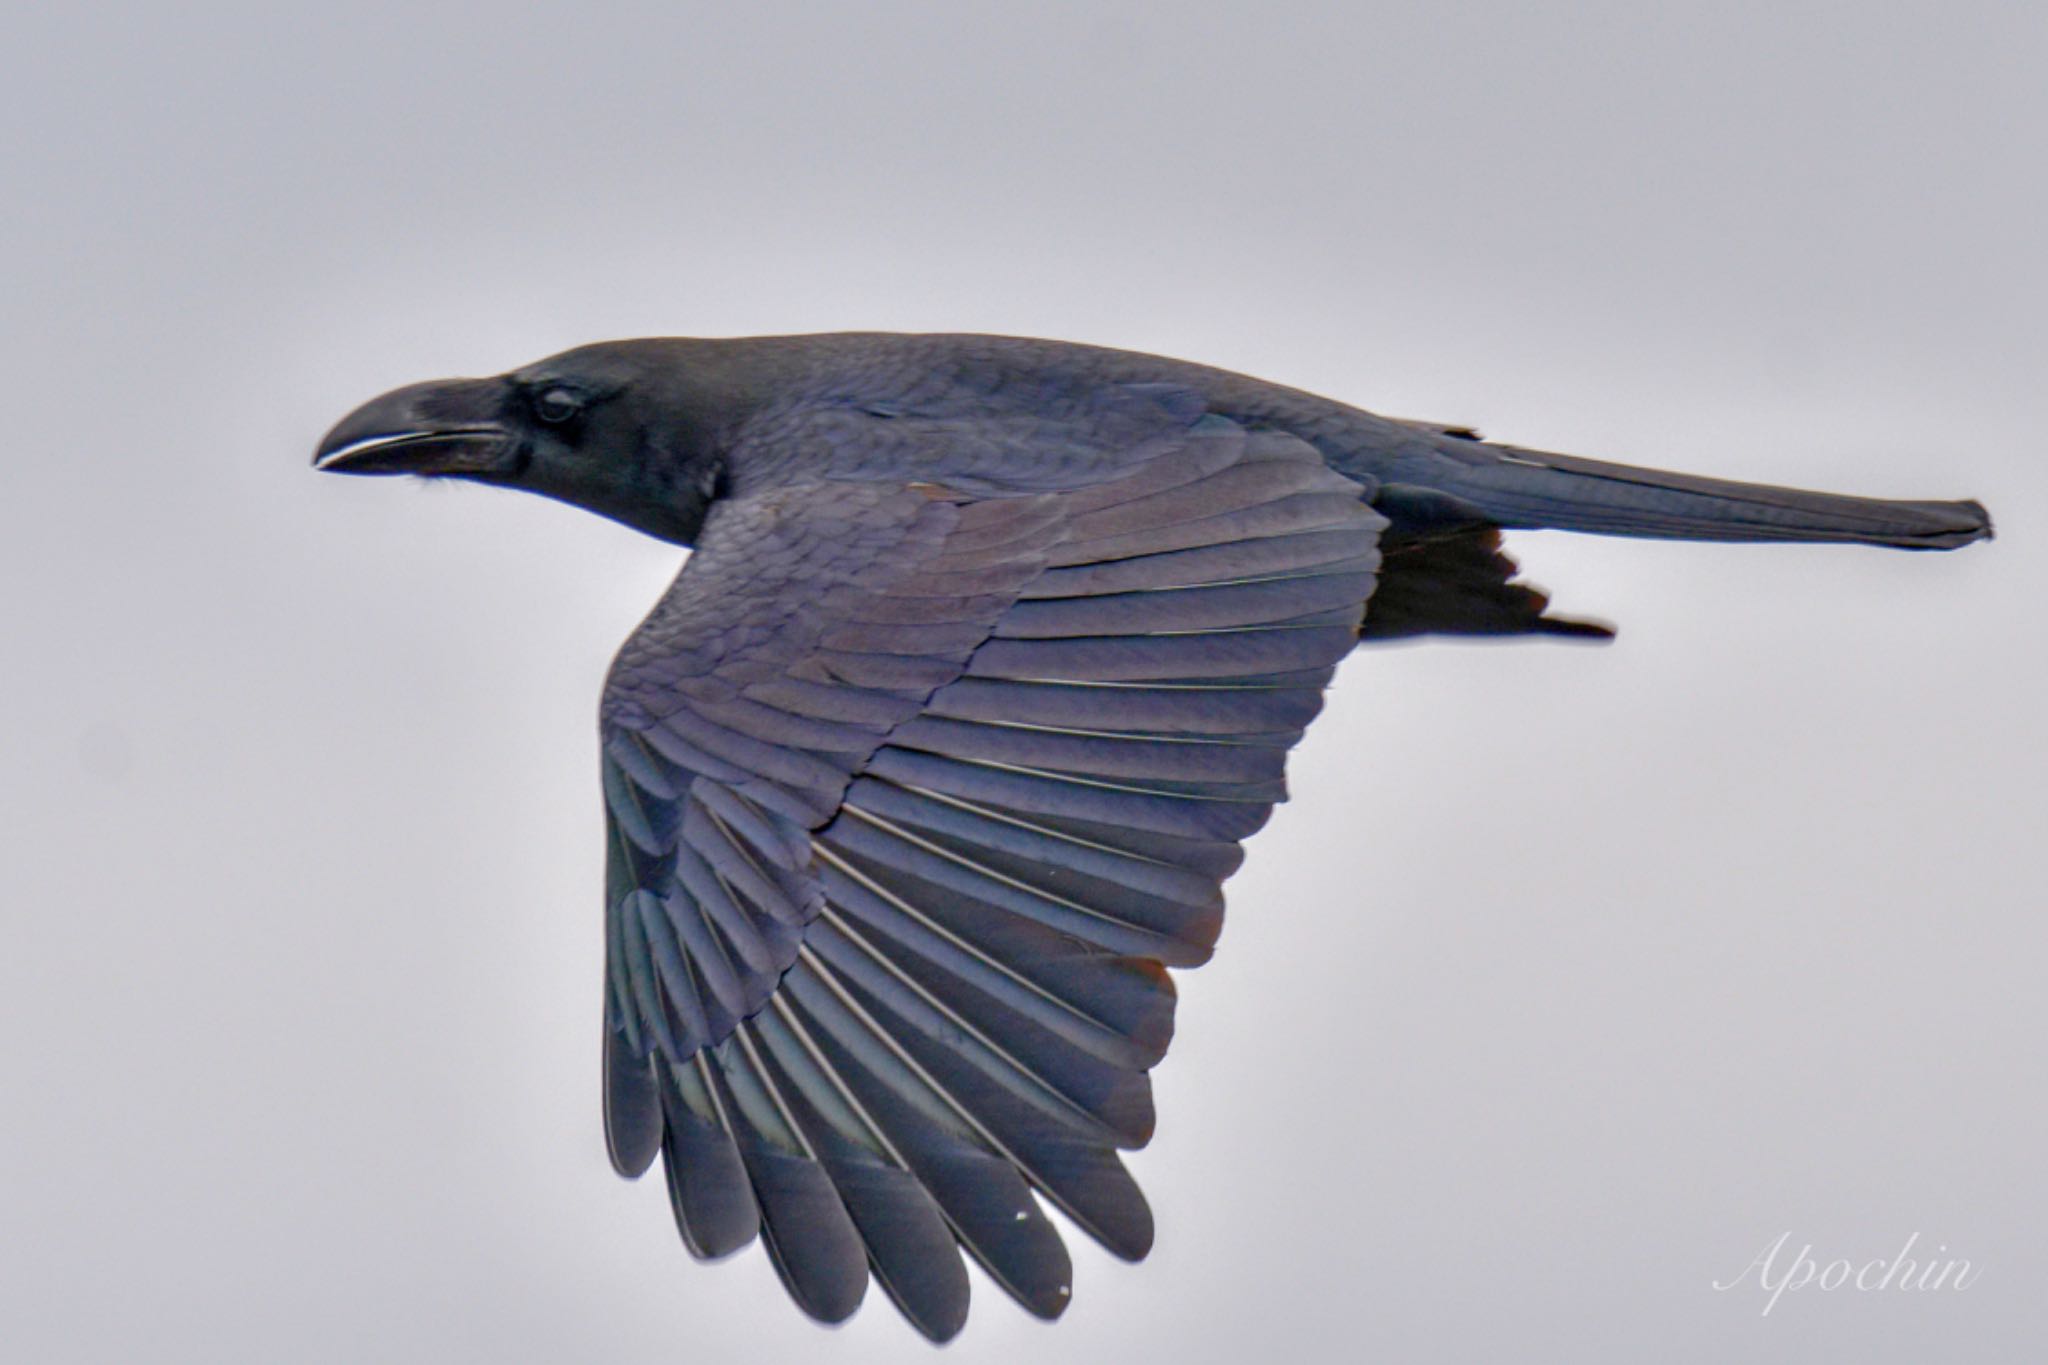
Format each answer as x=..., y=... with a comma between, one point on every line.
x=1533, y=489
x=1456, y=581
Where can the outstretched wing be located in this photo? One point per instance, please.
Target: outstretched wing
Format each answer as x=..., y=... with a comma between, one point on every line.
x=914, y=795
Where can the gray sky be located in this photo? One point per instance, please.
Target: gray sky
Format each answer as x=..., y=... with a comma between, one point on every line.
x=1570, y=979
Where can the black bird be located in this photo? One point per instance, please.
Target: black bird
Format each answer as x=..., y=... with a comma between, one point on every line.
x=934, y=757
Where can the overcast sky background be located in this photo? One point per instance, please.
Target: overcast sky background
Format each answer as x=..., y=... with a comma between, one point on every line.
x=1571, y=977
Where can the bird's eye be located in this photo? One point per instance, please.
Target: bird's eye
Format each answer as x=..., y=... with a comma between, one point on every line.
x=557, y=405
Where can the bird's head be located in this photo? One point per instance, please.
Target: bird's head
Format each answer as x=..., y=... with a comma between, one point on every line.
x=626, y=429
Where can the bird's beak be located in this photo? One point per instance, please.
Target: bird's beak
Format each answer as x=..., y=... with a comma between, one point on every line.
x=449, y=426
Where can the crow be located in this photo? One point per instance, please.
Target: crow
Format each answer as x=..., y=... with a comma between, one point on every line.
x=934, y=758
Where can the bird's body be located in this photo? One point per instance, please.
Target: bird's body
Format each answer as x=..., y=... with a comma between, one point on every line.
x=936, y=754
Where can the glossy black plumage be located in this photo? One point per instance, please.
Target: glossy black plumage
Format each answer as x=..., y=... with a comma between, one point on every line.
x=935, y=756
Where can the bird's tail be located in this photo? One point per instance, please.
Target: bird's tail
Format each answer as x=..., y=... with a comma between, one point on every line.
x=1532, y=489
